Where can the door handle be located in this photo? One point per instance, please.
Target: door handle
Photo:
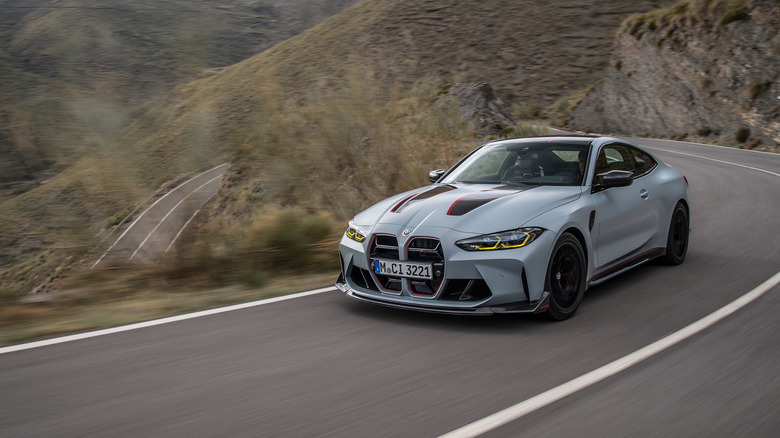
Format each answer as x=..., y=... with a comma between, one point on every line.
x=644, y=194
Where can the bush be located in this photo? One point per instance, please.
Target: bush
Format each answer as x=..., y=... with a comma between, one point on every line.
x=742, y=135
x=524, y=130
x=734, y=15
x=704, y=131
x=291, y=240
x=636, y=25
x=757, y=88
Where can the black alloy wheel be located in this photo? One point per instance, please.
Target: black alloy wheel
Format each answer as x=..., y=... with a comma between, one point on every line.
x=679, y=232
x=565, y=277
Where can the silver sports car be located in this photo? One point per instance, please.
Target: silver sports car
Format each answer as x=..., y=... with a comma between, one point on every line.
x=518, y=226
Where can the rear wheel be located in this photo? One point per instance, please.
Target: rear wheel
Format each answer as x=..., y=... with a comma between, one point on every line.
x=677, y=241
x=565, y=277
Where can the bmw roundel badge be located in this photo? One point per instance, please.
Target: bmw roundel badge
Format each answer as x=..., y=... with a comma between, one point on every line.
x=406, y=232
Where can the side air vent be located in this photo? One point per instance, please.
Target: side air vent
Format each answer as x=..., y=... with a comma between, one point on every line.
x=465, y=290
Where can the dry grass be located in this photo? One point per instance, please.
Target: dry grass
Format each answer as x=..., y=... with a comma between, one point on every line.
x=682, y=12
x=329, y=121
x=114, y=298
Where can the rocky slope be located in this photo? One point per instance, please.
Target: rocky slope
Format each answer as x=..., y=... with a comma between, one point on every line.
x=696, y=68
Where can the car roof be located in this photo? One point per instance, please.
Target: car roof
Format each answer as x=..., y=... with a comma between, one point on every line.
x=572, y=140
x=583, y=140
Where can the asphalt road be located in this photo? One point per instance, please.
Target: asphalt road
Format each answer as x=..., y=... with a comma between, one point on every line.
x=323, y=365
x=148, y=237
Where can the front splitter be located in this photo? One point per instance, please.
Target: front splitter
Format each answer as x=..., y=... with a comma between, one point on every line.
x=519, y=307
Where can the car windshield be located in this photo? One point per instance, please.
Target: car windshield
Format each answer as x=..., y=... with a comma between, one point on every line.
x=523, y=163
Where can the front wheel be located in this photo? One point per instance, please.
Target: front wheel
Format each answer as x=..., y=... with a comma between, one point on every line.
x=565, y=278
x=677, y=241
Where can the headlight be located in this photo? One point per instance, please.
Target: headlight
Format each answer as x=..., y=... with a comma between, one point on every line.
x=503, y=240
x=356, y=233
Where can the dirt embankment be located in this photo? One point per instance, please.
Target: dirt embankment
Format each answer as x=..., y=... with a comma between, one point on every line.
x=708, y=71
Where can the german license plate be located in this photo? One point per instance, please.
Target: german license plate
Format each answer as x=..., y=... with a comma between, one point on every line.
x=403, y=269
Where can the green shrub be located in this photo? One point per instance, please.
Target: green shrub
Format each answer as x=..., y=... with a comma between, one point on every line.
x=704, y=131
x=524, y=130
x=742, y=135
x=444, y=89
x=636, y=25
x=734, y=15
x=757, y=88
x=651, y=25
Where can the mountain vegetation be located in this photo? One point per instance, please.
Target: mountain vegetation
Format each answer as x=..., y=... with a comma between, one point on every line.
x=115, y=101
x=81, y=80
x=706, y=69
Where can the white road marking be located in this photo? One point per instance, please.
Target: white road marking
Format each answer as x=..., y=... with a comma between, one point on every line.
x=176, y=237
x=132, y=224
x=169, y=213
x=550, y=396
x=532, y=404
x=156, y=322
x=713, y=159
x=514, y=412
x=752, y=151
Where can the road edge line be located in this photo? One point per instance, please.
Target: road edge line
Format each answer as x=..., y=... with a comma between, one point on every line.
x=758, y=169
x=559, y=392
x=160, y=321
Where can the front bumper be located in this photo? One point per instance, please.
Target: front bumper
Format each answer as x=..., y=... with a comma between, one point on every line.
x=467, y=283
x=388, y=301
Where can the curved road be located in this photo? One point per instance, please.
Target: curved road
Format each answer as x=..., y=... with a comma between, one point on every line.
x=149, y=236
x=323, y=365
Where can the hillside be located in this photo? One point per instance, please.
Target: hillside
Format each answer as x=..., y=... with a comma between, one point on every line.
x=81, y=81
x=328, y=121
x=67, y=66
x=705, y=68
x=532, y=55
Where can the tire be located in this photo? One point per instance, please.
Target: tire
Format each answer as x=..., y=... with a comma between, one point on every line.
x=565, y=278
x=677, y=240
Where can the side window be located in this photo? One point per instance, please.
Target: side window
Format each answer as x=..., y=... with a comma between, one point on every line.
x=622, y=157
x=614, y=157
x=644, y=163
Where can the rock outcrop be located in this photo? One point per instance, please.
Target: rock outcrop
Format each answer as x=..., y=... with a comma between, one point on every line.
x=693, y=68
x=480, y=106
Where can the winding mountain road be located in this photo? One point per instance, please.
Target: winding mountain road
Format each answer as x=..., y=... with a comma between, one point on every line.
x=149, y=236
x=321, y=364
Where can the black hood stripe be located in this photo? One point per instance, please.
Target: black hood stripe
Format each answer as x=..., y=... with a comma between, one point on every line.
x=404, y=204
x=475, y=200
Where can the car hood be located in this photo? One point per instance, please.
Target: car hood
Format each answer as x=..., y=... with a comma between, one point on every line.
x=469, y=208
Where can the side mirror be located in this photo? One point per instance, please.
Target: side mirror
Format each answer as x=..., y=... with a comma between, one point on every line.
x=614, y=178
x=434, y=175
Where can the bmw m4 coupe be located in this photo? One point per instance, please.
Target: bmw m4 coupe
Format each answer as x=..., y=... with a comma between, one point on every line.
x=518, y=226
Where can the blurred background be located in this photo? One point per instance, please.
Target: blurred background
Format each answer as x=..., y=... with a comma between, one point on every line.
x=319, y=108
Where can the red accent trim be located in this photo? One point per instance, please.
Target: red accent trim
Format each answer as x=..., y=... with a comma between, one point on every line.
x=411, y=198
x=371, y=267
x=622, y=264
x=483, y=191
x=409, y=280
x=458, y=200
x=397, y=206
